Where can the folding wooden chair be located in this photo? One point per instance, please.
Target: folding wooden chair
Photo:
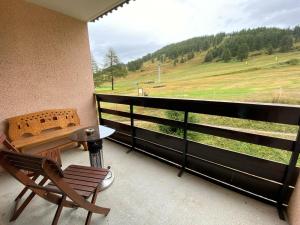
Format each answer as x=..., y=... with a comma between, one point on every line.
x=76, y=183
x=53, y=153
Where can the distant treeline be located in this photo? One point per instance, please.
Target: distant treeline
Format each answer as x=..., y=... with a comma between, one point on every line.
x=224, y=46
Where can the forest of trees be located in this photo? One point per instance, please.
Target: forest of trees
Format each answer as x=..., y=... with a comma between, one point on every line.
x=222, y=46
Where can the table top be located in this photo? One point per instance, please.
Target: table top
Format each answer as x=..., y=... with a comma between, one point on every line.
x=100, y=132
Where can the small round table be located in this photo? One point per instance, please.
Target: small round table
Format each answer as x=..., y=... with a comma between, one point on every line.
x=94, y=143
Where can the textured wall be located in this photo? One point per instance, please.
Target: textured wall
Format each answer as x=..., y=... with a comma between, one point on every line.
x=294, y=206
x=44, y=62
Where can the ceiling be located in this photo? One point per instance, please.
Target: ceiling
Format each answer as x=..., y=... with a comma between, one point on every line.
x=85, y=10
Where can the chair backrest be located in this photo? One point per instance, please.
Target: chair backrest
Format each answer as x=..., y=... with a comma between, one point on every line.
x=16, y=163
x=34, y=123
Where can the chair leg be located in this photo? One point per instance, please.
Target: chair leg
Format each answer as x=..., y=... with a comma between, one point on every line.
x=58, y=211
x=18, y=210
x=89, y=215
x=25, y=189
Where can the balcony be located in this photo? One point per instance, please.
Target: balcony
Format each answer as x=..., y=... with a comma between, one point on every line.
x=261, y=178
x=146, y=191
x=160, y=178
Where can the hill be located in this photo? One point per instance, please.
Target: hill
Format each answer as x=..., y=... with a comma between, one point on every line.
x=263, y=78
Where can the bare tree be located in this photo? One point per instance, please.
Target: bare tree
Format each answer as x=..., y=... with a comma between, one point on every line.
x=111, y=59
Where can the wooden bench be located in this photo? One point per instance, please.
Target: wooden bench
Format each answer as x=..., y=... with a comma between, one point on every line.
x=30, y=130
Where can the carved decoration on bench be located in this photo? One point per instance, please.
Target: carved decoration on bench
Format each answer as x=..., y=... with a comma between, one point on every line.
x=34, y=123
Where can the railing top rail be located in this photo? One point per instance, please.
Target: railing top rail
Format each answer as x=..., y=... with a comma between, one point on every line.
x=277, y=113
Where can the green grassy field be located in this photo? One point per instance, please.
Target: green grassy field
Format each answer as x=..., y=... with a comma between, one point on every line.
x=261, y=78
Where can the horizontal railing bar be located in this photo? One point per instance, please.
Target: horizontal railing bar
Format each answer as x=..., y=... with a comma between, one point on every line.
x=173, y=156
x=169, y=141
x=115, y=112
x=253, y=184
x=229, y=167
x=273, y=142
x=162, y=121
x=249, y=164
x=152, y=119
x=254, y=111
x=159, y=138
x=159, y=145
x=142, y=150
x=258, y=139
x=121, y=127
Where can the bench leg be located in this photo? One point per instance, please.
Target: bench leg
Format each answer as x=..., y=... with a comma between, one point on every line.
x=85, y=147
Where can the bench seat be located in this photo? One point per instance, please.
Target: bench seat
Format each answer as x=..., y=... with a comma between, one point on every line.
x=45, y=137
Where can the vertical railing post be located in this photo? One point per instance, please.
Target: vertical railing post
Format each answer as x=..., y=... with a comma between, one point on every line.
x=185, y=147
x=99, y=111
x=132, y=129
x=288, y=175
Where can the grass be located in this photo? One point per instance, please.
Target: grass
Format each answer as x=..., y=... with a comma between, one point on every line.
x=261, y=78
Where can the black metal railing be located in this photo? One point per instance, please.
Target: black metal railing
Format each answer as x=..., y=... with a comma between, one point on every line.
x=266, y=180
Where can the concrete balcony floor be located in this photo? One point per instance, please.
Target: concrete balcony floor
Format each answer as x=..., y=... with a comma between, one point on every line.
x=145, y=192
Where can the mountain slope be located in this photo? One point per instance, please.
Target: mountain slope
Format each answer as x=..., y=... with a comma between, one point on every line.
x=267, y=78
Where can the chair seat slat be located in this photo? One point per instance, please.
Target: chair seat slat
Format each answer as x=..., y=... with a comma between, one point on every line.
x=85, y=174
x=80, y=178
x=103, y=173
x=75, y=170
x=80, y=182
x=88, y=168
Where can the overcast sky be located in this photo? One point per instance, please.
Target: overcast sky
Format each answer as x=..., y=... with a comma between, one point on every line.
x=144, y=26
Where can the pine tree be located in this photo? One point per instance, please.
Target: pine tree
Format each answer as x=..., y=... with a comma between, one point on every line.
x=270, y=49
x=226, y=55
x=286, y=43
x=208, y=57
x=242, y=52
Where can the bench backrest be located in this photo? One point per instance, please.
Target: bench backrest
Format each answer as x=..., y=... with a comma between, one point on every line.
x=34, y=123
